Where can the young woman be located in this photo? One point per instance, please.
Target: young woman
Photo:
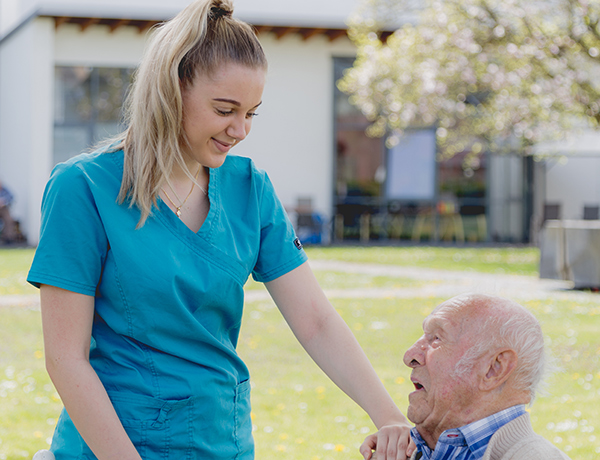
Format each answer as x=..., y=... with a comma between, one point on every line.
x=144, y=251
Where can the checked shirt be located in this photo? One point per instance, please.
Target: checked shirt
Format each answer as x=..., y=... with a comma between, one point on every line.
x=468, y=442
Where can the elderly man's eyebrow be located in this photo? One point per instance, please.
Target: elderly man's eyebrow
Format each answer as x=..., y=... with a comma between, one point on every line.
x=426, y=321
x=432, y=320
x=434, y=325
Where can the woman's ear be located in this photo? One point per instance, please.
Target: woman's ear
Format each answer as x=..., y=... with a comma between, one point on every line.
x=501, y=366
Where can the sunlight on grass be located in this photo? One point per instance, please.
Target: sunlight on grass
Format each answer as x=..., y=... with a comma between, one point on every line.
x=14, y=265
x=339, y=280
x=569, y=415
x=298, y=414
x=294, y=402
x=29, y=403
x=515, y=261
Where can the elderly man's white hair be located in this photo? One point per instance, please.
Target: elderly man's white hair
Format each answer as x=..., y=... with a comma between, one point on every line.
x=506, y=324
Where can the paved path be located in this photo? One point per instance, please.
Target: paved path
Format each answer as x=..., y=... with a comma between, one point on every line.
x=26, y=301
x=429, y=283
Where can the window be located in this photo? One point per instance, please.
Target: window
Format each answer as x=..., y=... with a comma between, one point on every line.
x=404, y=191
x=87, y=107
x=359, y=163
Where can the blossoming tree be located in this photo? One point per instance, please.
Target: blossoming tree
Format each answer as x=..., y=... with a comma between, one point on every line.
x=489, y=74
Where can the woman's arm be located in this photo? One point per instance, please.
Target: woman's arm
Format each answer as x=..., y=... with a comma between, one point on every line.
x=331, y=344
x=67, y=323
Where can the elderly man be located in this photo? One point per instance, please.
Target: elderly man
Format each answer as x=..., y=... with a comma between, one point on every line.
x=477, y=365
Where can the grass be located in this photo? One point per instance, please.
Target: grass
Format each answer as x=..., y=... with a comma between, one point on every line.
x=28, y=402
x=339, y=280
x=297, y=412
x=508, y=260
x=14, y=265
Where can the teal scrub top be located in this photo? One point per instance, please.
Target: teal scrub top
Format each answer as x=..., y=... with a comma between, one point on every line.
x=168, y=301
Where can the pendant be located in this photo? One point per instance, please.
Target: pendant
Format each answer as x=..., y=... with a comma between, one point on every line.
x=178, y=212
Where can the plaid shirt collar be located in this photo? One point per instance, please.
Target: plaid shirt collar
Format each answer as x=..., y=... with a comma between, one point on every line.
x=468, y=442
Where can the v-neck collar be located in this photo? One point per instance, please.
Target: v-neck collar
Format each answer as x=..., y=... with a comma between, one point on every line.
x=206, y=229
x=202, y=242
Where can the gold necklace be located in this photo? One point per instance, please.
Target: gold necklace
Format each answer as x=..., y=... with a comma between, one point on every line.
x=178, y=208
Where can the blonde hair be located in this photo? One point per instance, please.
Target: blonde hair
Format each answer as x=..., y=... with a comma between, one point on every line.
x=200, y=39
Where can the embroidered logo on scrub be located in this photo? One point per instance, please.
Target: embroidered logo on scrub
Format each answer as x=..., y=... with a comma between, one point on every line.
x=297, y=243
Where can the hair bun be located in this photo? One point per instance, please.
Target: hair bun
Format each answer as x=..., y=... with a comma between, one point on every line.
x=217, y=12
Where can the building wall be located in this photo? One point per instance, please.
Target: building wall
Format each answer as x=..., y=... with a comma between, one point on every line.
x=26, y=73
x=97, y=46
x=9, y=15
x=292, y=138
x=573, y=182
x=506, y=198
x=569, y=171
x=315, y=12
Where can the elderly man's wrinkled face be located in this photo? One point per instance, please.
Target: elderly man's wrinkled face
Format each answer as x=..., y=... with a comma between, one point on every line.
x=440, y=397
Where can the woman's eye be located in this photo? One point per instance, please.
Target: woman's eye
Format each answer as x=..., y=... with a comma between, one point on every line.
x=252, y=115
x=224, y=112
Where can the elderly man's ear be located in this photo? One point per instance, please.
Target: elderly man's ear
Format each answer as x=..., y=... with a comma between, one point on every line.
x=499, y=368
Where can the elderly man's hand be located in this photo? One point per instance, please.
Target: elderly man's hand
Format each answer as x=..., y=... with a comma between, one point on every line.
x=391, y=442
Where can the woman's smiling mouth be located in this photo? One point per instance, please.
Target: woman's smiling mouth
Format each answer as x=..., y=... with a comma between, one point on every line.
x=222, y=146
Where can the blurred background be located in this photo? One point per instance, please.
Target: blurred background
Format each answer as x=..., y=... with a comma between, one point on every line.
x=450, y=137
x=383, y=120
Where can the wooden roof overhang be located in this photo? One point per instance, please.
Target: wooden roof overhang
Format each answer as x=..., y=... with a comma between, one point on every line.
x=143, y=25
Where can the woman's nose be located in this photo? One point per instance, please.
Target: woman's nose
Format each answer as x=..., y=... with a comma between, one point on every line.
x=239, y=129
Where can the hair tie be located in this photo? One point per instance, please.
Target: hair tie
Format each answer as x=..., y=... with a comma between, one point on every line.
x=217, y=12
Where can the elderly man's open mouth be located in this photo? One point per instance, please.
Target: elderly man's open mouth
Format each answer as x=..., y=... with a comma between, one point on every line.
x=417, y=385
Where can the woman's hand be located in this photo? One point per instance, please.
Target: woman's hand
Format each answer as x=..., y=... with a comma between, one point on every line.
x=391, y=442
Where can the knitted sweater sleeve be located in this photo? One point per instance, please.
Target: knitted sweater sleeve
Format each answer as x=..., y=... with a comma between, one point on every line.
x=517, y=441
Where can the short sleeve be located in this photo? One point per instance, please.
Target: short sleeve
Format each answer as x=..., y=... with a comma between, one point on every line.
x=280, y=250
x=73, y=243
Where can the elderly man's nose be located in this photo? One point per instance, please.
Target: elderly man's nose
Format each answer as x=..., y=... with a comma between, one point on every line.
x=415, y=356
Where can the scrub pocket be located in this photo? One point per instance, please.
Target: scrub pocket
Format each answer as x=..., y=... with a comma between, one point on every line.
x=200, y=427
x=67, y=443
x=148, y=422
x=213, y=426
x=243, y=422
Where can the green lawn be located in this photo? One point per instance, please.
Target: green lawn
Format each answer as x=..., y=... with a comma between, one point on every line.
x=298, y=414
x=14, y=264
x=340, y=280
x=509, y=260
x=298, y=411
x=28, y=402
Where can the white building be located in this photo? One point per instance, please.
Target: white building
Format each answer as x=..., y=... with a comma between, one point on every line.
x=66, y=40
x=64, y=66
x=571, y=188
